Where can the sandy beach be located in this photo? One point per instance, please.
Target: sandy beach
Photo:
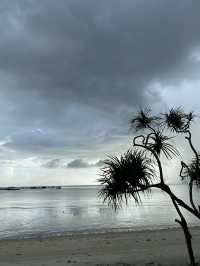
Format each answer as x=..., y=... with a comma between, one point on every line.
x=162, y=247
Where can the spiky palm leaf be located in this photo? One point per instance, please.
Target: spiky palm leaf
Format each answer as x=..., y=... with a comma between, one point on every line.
x=177, y=120
x=126, y=176
x=192, y=171
x=159, y=144
x=143, y=120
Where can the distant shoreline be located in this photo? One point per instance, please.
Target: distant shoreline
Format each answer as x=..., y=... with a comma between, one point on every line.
x=30, y=187
x=59, y=186
x=48, y=187
x=88, y=232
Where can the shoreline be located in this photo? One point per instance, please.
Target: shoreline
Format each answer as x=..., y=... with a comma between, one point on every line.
x=96, y=232
x=148, y=247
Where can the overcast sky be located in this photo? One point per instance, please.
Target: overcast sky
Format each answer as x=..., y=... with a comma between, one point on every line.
x=73, y=72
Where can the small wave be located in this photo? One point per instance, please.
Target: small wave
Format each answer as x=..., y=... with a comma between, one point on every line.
x=26, y=208
x=53, y=234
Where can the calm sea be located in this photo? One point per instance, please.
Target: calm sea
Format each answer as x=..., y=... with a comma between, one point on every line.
x=40, y=213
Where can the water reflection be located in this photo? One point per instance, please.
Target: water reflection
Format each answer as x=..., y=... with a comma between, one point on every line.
x=23, y=213
x=77, y=211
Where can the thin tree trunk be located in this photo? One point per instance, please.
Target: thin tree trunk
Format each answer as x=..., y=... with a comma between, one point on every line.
x=188, y=240
x=162, y=185
x=183, y=223
x=187, y=234
x=175, y=201
x=189, y=138
x=191, y=195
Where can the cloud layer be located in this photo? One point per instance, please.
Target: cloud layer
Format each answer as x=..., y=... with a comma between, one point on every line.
x=73, y=72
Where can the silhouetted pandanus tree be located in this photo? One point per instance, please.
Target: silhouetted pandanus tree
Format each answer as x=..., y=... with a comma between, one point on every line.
x=140, y=169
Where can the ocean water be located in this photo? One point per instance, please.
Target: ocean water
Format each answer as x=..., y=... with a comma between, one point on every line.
x=40, y=213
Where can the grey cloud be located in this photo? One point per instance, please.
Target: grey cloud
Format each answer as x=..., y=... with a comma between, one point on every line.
x=76, y=52
x=100, y=163
x=64, y=143
x=75, y=164
x=78, y=163
x=33, y=141
x=55, y=163
x=77, y=69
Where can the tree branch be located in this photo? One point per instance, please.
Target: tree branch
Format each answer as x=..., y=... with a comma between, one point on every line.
x=189, y=138
x=138, y=137
x=183, y=165
x=162, y=185
x=167, y=189
x=155, y=155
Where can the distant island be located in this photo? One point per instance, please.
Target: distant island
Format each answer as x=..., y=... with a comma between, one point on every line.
x=30, y=187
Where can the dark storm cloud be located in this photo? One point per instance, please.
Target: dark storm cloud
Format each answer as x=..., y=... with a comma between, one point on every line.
x=74, y=70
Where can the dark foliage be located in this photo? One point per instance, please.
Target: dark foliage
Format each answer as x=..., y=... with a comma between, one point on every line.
x=143, y=120
x=177, y=120
x=192, y=171
x=159, y=144
x=134, y=172
x=126, y=176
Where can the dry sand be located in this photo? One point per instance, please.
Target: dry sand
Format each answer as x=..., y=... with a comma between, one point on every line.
x=163, y=247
